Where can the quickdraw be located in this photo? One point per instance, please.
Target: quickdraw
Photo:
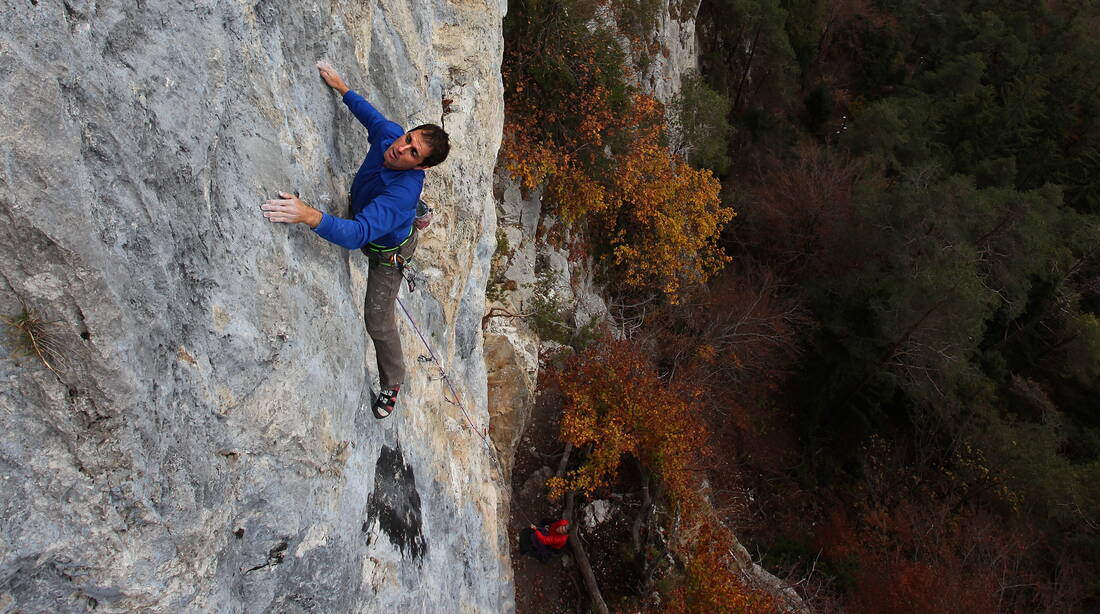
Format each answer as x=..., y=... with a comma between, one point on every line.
x=409, y=274
x=480, y=431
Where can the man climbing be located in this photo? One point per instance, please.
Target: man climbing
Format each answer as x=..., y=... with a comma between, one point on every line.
x=383, y=200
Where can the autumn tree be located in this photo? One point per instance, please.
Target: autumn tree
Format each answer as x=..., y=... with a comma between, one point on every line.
x=577, y=128
x=793, y=208
x=666, y=216
x=617, y=409
x=616, y=405
x=710, y=586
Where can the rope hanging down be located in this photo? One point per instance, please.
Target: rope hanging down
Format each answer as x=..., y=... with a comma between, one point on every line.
x=457, y=399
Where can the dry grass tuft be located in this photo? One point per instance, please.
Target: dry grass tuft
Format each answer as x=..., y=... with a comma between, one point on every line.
x=34, y=336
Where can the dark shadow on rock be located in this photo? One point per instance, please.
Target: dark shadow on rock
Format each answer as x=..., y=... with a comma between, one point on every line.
x=395, y=504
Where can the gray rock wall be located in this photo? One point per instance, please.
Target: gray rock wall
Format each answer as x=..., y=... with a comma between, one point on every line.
x=203, y=450
x=677, y=53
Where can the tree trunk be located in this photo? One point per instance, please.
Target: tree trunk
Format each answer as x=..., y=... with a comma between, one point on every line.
x=745, y=71
x=582, y=561
x=642, y=518
x=579, y=555
x=564, y=460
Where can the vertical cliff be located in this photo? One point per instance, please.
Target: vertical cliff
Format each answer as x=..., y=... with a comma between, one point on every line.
x=203, y=449
x=544, y=290
x=533, y=279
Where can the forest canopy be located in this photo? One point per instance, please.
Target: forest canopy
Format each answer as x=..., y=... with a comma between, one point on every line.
x=952, y=277
x=906, y=331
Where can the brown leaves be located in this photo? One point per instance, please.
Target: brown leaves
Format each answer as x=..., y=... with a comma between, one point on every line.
x=616, y=403
x=663, y=216
x=711, y=584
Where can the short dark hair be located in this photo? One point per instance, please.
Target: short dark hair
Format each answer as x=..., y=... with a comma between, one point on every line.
x=436, y=138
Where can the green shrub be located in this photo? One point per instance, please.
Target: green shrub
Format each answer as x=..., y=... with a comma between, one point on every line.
x=698, y=121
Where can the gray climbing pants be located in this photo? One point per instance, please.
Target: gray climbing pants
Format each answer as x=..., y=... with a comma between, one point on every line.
x=383, y=284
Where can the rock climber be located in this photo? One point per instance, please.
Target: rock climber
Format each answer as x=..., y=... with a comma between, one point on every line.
x=545, y=542
x=383, y=203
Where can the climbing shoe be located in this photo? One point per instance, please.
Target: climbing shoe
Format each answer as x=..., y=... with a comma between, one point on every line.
x=385, y=403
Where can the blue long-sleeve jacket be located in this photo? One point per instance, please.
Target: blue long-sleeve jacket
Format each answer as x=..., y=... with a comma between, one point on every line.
x=383, y=201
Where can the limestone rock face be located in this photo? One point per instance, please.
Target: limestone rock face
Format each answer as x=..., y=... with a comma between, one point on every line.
x=675, y=38
x=533, y=283
x=203, y=449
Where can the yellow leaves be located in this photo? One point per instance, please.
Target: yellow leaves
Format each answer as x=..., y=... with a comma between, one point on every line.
x=673, y=216
x=663, y=217
x=577, y=194
x=706, y=353
x=615, y=403
x=538, y=160
x=557, y=486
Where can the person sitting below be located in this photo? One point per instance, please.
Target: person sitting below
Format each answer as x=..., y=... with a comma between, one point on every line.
x=545, y=542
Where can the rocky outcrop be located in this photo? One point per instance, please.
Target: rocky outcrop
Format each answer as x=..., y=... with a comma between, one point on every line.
x=203, y=449
x=538, y=297
x=534, y=279
x=677, y=54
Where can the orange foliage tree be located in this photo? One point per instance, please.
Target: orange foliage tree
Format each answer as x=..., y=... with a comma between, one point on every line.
x=668, y=214
x=575, y=126
x=616, y=405
x=709, y=587
x=615, y=402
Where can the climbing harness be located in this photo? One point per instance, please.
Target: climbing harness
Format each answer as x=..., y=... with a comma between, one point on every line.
x=431, y=357
x=390, y=255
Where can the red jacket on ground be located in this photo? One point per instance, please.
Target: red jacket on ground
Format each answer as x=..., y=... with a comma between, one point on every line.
x=554, y=540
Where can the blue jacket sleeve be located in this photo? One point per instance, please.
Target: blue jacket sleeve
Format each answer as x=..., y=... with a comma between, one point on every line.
x=377, y=124
x=380, y=217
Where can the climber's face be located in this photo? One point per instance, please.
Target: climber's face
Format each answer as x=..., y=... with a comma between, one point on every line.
x=406, y=152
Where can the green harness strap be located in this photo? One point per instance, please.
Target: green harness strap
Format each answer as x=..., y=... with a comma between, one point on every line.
x=382, y=249
x=389, y=256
